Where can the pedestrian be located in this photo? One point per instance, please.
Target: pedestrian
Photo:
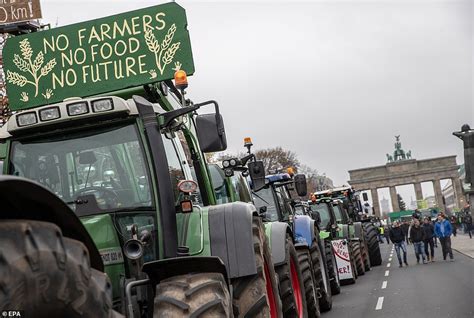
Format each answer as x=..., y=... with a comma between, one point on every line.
x=386, y=233
x=467, y=221
x=398, y=239
x=453, y=220
x=428, y=230
x=417, y=237
x=381, y=233
x=405, y=227
x=443, y=231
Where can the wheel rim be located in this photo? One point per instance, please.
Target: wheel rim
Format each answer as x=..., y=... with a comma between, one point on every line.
x=270, y=294
x=295, y=283
x=323, y=272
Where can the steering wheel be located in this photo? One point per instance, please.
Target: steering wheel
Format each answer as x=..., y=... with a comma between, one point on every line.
x=106, y=198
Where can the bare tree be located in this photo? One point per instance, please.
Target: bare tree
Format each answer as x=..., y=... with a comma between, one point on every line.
x=276, y=159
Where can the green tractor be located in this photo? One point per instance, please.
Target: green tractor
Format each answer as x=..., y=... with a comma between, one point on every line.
x=294, y=240
x=104, y=128
x=364, y=227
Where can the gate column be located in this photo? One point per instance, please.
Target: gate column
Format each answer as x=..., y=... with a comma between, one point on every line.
x=394, y=198
x=375, y=201
x=438, y=195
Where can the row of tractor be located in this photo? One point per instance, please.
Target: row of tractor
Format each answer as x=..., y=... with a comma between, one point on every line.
x=110, y=208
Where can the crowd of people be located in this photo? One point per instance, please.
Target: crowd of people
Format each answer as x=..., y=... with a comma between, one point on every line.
x=423, y=234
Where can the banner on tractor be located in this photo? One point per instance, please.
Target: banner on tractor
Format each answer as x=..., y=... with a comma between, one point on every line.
x=99, y=56
x=12, y=11
x=343, y=261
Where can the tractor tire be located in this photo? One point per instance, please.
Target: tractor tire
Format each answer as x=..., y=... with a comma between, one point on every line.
x=332, y=268
x=365, y=257
x=322, y=277
x=48, y=275
x=257, y=295
x=359, y=262
x=310, y=284
x=371, y=237
x=291, y=283
x=193, y=295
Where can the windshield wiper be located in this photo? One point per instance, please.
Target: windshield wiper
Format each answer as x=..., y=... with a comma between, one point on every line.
x=130, y=209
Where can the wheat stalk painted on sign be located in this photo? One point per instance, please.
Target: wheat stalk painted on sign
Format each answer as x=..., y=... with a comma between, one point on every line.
x=26, y=64
x=164, y=52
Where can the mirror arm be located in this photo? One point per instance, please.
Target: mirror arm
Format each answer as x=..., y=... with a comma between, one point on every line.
x=168, y=117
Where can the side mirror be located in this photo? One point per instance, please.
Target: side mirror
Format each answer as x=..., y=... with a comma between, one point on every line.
x=300, y=185
x=87, y=158
x=211, y=133
x=257, y=174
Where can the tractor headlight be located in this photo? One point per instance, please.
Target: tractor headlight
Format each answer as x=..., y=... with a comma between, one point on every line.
x=26, y=119
x=102, y=105
x=226, y=163
x=76, y=109
x=50, y=113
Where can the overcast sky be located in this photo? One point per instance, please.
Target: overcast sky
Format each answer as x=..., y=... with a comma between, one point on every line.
x=334, y=81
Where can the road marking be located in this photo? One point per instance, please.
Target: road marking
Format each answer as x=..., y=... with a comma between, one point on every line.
x=388, y=265
x=379, y=303
x=387, y=272
x=384, y=284
x=390, y=259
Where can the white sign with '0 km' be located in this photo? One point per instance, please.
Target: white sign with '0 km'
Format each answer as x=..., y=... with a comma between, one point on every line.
x=343, y=261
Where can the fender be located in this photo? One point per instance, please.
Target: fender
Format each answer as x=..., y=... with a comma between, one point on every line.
x=304, y=230
x=24, y=199
x=231, y=237
x=165, y=268
x=277, y=233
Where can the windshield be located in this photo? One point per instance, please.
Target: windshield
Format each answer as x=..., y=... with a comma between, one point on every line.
x=337, y=213
x=264, y=198
x=106, y=164
x=323, y=210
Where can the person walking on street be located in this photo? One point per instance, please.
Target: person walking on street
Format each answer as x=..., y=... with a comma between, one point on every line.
x=398, y=239
x=443, y=231
x=467, y=220
x=405, y=226
x=453, y=220
x=386, y=233
x=417, y=237
x=428, y=230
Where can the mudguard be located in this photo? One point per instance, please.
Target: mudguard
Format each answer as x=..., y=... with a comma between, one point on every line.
x=165, y=268
x=27, y=200
x=277, y=232
x=231, y=237
x=304, y=230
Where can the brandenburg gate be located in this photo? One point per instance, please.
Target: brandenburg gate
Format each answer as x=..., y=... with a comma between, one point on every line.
x=400, y=170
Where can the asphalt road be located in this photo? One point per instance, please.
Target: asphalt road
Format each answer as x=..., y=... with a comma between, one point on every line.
x=439, y=289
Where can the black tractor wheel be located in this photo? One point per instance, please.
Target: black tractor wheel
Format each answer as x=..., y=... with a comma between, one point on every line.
x=365, y=256
x=291, y=283
x=246, y=303
x=359, y=262
x=371, y=236
x=193, y=295
x=331, y=267
x=48, y=275
x=322, y=277
x=310, y=284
